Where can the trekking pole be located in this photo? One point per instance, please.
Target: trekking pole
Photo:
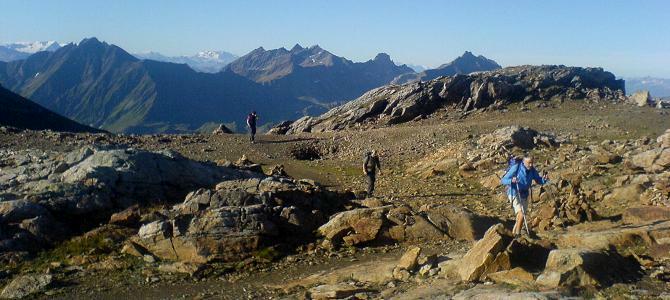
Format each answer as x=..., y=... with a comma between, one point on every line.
x=523, y=210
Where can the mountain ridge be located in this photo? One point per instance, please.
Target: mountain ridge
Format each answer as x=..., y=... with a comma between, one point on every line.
x=103, y=85
x=464, y=64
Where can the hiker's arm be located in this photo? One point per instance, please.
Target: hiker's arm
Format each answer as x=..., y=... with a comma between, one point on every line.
x=379, y=165
x=507, y=179
x=539, y=179
x=365, y=165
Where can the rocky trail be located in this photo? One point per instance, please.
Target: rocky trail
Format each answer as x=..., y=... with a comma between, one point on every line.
x=211, y=216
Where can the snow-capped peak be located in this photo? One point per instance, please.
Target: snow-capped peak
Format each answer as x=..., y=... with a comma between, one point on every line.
x=213, y=55
x=34, y=47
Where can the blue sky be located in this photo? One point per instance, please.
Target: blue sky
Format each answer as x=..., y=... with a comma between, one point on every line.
x=629, y=38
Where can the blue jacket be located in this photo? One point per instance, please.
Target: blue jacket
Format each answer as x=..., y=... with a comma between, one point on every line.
x=524, y=179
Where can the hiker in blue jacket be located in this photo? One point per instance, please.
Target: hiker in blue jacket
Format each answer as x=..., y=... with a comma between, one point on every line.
x=518, y=180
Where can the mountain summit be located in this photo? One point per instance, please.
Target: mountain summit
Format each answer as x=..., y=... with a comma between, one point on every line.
x=464, y=64
x=314, y=74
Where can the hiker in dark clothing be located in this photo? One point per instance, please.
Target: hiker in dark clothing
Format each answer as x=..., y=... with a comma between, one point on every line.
x=251, y=123
x=370, y=167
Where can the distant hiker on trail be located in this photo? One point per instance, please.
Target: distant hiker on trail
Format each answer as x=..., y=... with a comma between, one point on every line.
x=251, y=123
x=519, y=179
x=370, y=167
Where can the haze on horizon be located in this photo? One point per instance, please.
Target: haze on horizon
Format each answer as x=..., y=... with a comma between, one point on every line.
x=625, y=37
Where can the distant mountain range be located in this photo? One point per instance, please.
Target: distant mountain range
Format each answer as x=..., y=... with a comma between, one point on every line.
x=417, y=68
x=314, y=74
x=657, y=87
x=465, y=64
x=102, y=85
x=22, y=113
x=21, y=50
x=205, y=61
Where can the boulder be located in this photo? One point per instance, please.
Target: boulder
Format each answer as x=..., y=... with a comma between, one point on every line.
x=641, y=98
x=26, y=285
x=486, y=255
x=516, y=136
x=335, y=291
x=580, y=267
x=624, y=196
x=181, y=267
x=376, y=272
x=222, y=129
x=46, y=229
x=664, y=139
x=646, y=214
x=129, y=217
x=653, y=161
x=409, y=260
x=626, y=239
x=459, y=223
x=17, y=210
x=516, y=276
x=281, y=128
x=357, y=226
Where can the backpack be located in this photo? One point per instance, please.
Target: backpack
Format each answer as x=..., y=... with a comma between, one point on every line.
x=369, y=163
x=514, y=161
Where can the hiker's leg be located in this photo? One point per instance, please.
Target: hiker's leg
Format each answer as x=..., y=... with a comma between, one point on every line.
x=519, y=223
x=371, y=183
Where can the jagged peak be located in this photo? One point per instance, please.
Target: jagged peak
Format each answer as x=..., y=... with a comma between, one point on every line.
x=382, y=57
x=259, y=49
x=90, y=41
x=297, y=47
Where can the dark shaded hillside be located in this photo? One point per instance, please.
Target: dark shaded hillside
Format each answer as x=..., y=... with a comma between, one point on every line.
x=22, y=113
x=102, y=85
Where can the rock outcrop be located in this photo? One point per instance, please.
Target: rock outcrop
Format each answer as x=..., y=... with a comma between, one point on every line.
x=579, y=268
x=395, y=104
x=520, y=137
x=641, y=98
x=26, y=285
x=397, y=224
x=222, y=129
x=45, y=194
x=238, y=217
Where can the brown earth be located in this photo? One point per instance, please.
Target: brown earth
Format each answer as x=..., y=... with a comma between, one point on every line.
x=339, y=167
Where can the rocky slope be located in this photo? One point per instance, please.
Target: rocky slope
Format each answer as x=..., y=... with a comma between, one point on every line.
x=465, y=64
x=395, y=104
x=431, y=233
x=45, y=195
x=19, y=112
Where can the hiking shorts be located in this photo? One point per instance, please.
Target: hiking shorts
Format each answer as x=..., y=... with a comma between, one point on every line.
x=518, y=203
